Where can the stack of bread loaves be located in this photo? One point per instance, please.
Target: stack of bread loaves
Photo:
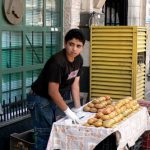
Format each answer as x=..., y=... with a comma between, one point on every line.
x=112, y=113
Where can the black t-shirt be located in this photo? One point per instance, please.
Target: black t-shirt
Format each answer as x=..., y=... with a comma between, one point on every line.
x=58, y=69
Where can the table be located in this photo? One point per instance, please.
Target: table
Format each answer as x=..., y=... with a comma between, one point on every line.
x=77, y=137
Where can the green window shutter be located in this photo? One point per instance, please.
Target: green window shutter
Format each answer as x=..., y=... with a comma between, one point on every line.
x=52, y=43
x=11, y=49
x=34, y=48
x=26, y=47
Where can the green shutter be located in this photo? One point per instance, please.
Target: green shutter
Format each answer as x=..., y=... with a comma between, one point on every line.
x=26, y=47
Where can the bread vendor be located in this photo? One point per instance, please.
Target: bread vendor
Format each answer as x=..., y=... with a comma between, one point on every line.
x=61, y=71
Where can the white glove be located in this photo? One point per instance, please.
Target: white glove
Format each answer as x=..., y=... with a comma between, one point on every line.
x=70, y=114
x=76, y=110
x=79, y=112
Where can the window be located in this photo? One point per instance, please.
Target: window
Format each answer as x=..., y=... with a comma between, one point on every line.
x=26, y=47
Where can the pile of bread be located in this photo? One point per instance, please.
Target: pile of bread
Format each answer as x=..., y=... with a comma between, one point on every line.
x=97, y=103
x=108, y=114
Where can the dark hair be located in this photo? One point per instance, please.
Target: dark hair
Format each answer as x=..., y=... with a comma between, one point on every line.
x=75, y=33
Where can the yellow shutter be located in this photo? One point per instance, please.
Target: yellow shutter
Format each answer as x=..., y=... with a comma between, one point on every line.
x=117, y=61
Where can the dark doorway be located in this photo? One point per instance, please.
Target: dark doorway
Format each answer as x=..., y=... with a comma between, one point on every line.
x=116, y=12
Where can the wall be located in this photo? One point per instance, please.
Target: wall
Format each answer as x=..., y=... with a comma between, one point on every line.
x=71, y=14
x=136, y=12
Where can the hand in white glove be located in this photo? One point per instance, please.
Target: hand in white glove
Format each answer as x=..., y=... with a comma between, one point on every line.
x=76, y=110
x=79, y=112
x=70, y=114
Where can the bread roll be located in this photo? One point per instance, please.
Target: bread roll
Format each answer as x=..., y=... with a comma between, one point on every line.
x=107, y=111
x=91, y=120
x=98, y=123
x=107, y=97
x=94, y=110
x=91, y=105
x=108, y=123
x=99, y=115
x=86, y=124
x=95, y=101
x=112, y=115
x=98, y=106
x=86, y=108
x=105, y=117
x=102, y=98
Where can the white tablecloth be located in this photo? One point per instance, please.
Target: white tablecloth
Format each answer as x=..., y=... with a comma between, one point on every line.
x=78, y=137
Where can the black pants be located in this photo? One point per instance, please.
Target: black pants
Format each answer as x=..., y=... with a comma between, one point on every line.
x=107, y=144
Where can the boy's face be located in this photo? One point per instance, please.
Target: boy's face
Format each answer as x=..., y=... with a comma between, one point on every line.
x=73, y=48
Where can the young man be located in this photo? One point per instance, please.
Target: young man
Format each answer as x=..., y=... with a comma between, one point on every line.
x=60, y=73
